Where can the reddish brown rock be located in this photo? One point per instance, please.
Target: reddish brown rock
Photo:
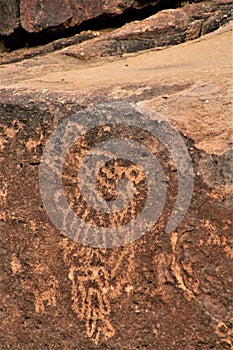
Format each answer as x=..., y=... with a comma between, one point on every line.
x=9, y=16
x=163, y=291
x=37, y=15
x=21, y=54
x=167, y=27
x=116, y=7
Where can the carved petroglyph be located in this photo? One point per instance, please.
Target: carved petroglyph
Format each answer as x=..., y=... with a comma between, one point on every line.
x=92, y=303
x=45, y=288
x=201, y=284
x=3, y=196
x=97, y=276
x=8, y=133
x=15, y=264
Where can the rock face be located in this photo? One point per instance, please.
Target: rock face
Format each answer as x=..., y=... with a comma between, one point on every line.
x=168, y=27
x=9, y=16
x=165, y=290
x=36, y=15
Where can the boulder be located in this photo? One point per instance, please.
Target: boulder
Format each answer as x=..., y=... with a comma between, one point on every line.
x=167, y=27
x=38, y=15
x=9, y=16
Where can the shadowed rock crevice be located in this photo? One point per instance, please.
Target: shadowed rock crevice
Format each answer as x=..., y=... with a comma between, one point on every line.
x=168, y=27
x=14, y=34
x=162, y=28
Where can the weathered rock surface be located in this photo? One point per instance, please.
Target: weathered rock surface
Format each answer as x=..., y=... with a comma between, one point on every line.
x=163, y=291
x=36, y=15
x=9, y=16
x=168, y=27
x=21, y=54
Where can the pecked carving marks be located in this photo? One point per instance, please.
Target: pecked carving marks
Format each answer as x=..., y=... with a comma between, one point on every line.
x=97, y=277
x=47, y=293
x=203, y=277
x=90, y=300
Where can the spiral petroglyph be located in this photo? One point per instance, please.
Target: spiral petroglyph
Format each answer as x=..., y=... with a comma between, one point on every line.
x=119, y=185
